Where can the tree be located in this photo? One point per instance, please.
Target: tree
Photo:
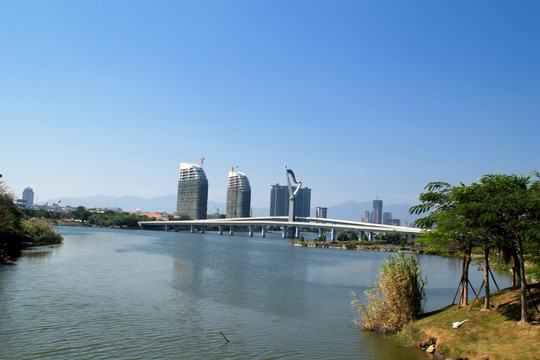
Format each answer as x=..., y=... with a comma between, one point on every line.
x=81, y=213
x=497, y=211
x=445, y=228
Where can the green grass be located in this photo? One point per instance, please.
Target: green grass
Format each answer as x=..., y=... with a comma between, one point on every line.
x=494, y=334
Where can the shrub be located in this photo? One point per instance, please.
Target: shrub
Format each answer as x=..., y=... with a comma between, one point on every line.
x=396, y=299
x=40, y=232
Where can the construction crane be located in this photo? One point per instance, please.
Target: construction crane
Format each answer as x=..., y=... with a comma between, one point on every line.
x=202, y=161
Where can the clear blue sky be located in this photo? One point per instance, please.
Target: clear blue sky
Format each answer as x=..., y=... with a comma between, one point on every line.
x=360, y=98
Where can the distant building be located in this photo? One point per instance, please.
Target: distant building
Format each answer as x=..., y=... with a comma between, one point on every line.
x=396, y=222
x=192, y=201
x=321, y=212
x=387, y=218
x=367, y=217
x=28, y=196
x=238, y=195
x=279, y=201
x=377, y=211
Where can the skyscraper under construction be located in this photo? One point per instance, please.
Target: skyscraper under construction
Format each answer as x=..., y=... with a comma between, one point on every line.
x=279, y=201
x=238, y=195
x=192, y=201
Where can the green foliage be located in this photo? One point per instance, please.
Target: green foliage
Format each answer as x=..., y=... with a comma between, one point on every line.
x=496, y=212
x=396, y=299
x=16, y=228
x=116, y=219
x=80, y=213
x=392, y=238
x=10, y=224
x=351, y=245
x=40, y=232
x=342, y=236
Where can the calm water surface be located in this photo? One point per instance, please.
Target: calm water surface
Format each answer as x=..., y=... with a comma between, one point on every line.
x=124, y=294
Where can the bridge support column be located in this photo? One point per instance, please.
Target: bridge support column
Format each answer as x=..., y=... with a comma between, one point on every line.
x=175, y=228
x=251, y=230
x=192, y=228
x=220, y=229
x=167, y=227
x=370, y=236
x=263, y=231
x=297, y=232
x=284, y=233
x=231, y=231
x=333, y=235
x=203, y=229
x=321, y=232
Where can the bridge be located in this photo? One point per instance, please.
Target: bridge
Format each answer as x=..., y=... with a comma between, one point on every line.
x=289, y=229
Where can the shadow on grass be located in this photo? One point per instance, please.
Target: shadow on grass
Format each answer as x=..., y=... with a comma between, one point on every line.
x=511, y=307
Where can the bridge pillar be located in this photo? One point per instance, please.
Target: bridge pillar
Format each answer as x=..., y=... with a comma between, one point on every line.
x=231, y=231
x=203, y=229
x=175, y=228
x=251, y=230
x=220, y=229
x=263, y=231
x=370, y=236
x=192, y=228
x=284, y=233
x=321, y=232
x=333, y=235
x=167, y=227
x=297, y=232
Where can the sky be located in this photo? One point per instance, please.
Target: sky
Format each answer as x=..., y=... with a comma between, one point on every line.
x=361, y=99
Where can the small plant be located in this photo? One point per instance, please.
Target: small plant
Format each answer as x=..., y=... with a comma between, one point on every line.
x=396, y=299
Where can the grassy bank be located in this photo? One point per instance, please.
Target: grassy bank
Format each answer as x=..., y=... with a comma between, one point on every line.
x=494, y=335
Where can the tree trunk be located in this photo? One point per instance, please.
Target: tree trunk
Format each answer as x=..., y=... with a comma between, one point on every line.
x=516, y=277
x=524, y=315
x=464, y=295
x=486, y=279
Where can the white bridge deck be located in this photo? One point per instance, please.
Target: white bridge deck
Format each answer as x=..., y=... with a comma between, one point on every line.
x=289, y=228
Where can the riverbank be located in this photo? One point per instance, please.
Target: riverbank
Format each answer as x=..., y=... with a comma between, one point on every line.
x=495, y=334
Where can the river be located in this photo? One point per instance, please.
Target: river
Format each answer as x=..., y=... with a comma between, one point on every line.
x=135, y=294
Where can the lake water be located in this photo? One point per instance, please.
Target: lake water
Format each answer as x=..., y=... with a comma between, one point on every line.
x=121, y=294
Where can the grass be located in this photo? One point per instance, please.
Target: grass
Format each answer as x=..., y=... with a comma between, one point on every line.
x=495, y=334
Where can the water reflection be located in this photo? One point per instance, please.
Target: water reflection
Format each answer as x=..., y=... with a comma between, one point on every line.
x=41, y=253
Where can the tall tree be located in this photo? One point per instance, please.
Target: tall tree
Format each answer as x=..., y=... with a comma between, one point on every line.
x=445, y=227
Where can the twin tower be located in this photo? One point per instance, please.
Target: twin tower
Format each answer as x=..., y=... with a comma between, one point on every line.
x=192, y=201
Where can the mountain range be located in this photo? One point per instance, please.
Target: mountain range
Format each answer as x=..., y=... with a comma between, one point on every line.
x=350, y=210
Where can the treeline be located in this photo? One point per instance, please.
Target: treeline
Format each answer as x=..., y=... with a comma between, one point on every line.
x=108, y=218
x=16, y=228
x=498, y=214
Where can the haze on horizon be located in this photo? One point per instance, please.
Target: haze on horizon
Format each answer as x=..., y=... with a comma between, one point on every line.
x=360, y=99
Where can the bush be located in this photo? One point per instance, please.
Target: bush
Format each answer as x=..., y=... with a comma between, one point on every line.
x=396, y=299
x=40, y=232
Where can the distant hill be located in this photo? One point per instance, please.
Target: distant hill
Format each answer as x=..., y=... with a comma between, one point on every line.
x=349, y=210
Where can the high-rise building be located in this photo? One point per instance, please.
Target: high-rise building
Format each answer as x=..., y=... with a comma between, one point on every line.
x=321, y=212
x=367, y=217
x=387, y=218
x=279, y=201
x=28, y=196
x=377, y=211
x=192, y=201
x=238, y=195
